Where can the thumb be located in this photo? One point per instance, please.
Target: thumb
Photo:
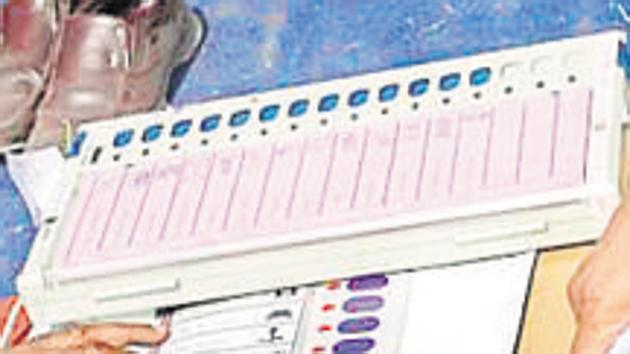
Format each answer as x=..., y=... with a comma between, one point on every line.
x=120, y=335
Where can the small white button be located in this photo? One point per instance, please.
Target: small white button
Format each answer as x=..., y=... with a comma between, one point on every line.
x=543, y=66
x=511, y=70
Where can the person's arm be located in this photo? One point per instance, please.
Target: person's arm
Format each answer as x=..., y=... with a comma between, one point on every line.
x=600, y=291
x=95, y=339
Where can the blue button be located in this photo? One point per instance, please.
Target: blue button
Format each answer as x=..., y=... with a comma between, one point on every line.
x=75, y=147
x=624, y=58
x=370, y=282
x=329, y=103
x=269, y=113
x=152, y=133
x=480, y=77
x=210, y=123
x=354, y=346
x=240, y=118
x=358, y=98
x=298, y=108
x=358, y=325
x=419, y=87
x=123, y=138
x=364, y=304
x=450, y=82
x=388, y=93
x=181, y=128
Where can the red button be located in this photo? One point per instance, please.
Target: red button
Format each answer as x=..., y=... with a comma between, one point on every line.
x=325, y=328
x=318, y=350
x=329, y=308
x=333, y=285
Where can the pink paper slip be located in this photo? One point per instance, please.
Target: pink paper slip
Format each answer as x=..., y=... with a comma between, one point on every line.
x=376, y=167
x=345, y=170
x=278, y=192
x=472, y=152
x=409, y=158
x=504, y=144
x=258, y=195
x=309, y=193
x=96, y=214
x=211, y=218
x=572, y=136
x=157, y=205
x=191, y=189
x=75, y=216
x=538, y=140
x=439, y=165
x=246, y=199
x=124, y=218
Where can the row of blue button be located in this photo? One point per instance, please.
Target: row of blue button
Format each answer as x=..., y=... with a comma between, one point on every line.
x=300, y=107
x=178, y=130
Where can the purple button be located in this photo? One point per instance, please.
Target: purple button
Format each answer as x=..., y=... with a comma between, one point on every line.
x=370, y=282
x=354, y=346
x=358, y=325
x=364, y=304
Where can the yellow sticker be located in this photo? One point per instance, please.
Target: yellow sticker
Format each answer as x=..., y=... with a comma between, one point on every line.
x=66, y=135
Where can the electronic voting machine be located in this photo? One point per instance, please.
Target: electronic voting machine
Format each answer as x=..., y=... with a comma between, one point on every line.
x=434, y=164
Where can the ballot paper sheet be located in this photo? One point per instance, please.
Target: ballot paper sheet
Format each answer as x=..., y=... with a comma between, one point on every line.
x=473, y=308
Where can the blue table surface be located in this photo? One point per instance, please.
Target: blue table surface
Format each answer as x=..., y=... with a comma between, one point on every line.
x=255, y=45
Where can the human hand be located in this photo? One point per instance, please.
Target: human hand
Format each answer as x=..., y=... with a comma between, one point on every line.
x=95, y=339
x=600, y=290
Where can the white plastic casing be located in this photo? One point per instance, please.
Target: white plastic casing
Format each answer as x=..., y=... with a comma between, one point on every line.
x=429, y=238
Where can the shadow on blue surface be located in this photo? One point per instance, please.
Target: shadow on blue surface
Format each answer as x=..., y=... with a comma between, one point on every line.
x=16, y=233
x=255, y=45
